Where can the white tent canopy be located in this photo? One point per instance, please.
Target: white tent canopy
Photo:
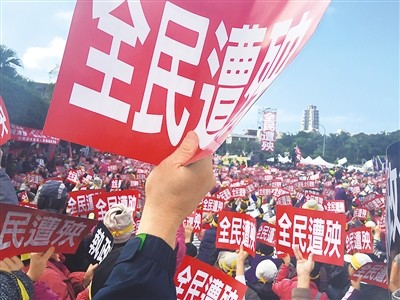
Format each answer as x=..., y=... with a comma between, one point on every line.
x=319, y=161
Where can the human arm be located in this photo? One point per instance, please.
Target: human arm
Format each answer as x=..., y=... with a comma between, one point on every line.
x=241, y=258
x=38, y=263
x=304, y=268
x=173, y=191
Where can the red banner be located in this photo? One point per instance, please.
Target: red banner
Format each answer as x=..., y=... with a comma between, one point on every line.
x=27, y=230
x=359, y=240
x=266, y=234
x=147, y=72
x=5, y=128
x=195, y=279
x=104, y=201
x=235, y=229
x=23, y=134
x=374, y=273
x=321, y=232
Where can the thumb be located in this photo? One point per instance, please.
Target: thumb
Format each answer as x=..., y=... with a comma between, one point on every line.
x=186, y=149
x=310, y=257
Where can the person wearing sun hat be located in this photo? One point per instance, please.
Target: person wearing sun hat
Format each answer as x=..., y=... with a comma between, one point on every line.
x=266, y=272
x=313, y=205
x=358, y=289
x=227, y=261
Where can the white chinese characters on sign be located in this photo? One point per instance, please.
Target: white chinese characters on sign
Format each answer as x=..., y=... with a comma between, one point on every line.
x=321, y=233
x=197, y=280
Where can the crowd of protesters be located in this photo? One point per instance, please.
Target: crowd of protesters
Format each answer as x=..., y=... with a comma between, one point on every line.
x=52, y=275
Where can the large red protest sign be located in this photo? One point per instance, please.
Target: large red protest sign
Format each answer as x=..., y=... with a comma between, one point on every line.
x=235, y=229
x=5, y=130
x=27, y=230
x=374, y=273
x=195, y=279
x=321, y=232
x=149, y=71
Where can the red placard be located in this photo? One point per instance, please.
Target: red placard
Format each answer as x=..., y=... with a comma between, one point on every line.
x=195, y=279
x=27, y=230
x=239, y=192
x=235, y=229
x=264, y=191
x=104, y=201
x=284, y=200
x=224, y=193
x=5, y=127
x=313, y=196
x=81, y=202
x=373, y=201
x=359, y=240
x=328, y=193
x=360, y=213
x=374, y=273
x=147, y=72
x=318, y=231
x=72, y=176
x=115, y=185
x=266, y=234
x=336, y=206
x=194, y=220
x=212, y=204
x=34, y=177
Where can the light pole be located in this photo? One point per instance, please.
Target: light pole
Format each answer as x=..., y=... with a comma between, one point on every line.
x=323, y=143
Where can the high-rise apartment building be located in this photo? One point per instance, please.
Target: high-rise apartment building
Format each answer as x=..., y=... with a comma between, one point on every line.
x=310, y=120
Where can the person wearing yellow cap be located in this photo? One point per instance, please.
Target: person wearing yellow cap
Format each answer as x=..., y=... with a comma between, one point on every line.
x=358, y=289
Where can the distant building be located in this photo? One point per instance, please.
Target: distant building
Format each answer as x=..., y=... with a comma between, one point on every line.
x=310, y=120
x=249, y=135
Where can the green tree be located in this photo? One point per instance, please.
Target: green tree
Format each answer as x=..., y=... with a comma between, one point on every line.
x=9, y=62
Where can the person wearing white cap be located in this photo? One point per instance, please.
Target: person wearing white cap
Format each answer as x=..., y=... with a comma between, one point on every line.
x=266, y=272
x=358, y=289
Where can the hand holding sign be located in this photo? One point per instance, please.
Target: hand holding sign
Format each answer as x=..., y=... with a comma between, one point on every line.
x=38, y=263
x=174, y=189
